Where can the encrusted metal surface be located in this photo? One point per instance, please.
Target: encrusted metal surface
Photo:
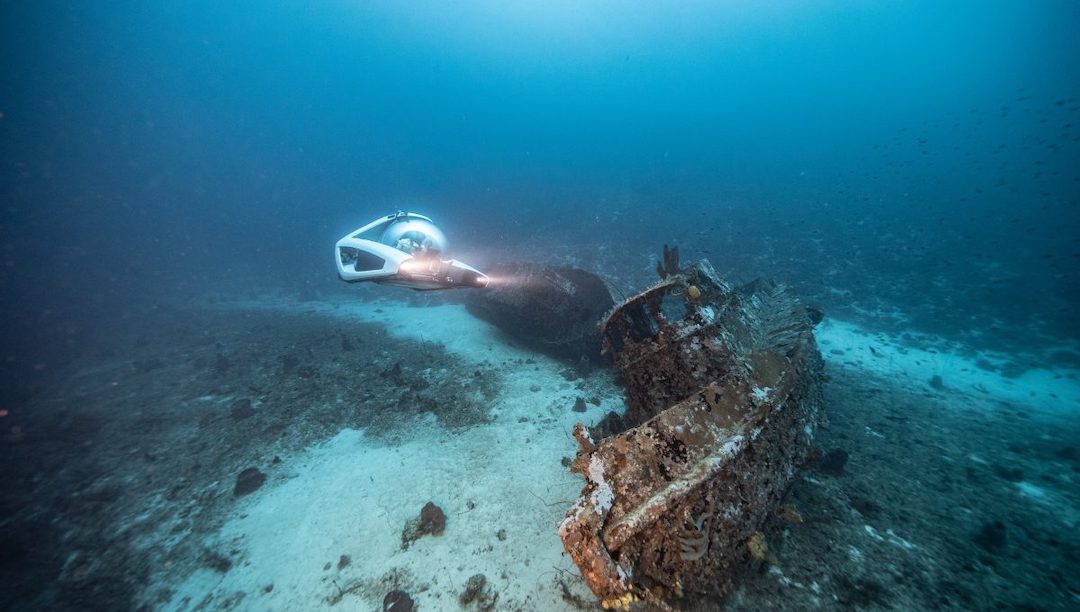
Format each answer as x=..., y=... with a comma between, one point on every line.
x=723, y=390
x=550, y=308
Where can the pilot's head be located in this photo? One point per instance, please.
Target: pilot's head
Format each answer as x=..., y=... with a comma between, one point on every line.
x=415, y=237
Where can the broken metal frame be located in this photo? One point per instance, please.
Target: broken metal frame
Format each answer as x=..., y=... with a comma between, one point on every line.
x=723, y=388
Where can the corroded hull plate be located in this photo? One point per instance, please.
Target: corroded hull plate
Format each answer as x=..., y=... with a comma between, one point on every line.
x=724, y=394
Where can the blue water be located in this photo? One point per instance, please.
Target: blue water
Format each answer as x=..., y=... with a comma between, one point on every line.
x=912, y=167
x=874, y=149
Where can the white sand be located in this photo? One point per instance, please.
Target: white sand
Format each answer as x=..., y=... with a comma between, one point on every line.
x=1041, y=389
x=351, y=496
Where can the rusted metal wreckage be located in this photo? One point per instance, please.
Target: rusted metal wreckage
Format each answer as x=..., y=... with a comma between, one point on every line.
x=723, y=387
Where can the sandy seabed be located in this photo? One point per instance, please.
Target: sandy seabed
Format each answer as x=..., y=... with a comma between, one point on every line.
x=951, y=479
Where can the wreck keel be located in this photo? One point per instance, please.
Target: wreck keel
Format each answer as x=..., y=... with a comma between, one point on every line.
x=723, y=387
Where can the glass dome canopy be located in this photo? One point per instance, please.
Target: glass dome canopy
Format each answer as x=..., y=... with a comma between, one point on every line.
x=414, y=236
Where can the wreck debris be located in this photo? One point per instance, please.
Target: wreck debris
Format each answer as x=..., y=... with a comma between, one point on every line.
x=669, y=265
x=723, y=388
x=248, y=481
x=432, y=521
x=478, y=591
x=398, y=601
x=552, y=309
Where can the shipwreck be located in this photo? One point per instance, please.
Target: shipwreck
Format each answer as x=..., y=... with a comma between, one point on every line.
x=724, y=391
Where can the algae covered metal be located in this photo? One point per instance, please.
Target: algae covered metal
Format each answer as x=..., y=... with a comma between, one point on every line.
x=723, y=387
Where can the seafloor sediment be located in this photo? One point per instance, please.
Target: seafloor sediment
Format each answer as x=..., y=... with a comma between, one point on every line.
x=939, y=482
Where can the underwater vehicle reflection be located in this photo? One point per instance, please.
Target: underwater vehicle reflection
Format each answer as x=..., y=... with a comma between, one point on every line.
x=407, y=252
